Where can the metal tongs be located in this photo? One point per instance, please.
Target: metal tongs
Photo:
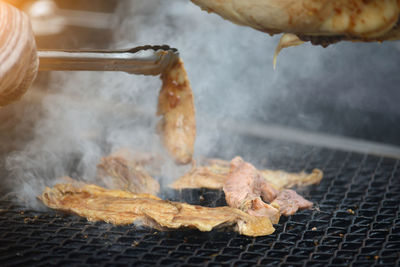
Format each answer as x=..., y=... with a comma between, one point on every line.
x=145, y=60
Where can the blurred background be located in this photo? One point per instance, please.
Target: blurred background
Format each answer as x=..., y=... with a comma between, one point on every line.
x=347, y=89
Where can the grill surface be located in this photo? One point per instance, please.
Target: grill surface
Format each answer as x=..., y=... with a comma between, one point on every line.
x=356, y=224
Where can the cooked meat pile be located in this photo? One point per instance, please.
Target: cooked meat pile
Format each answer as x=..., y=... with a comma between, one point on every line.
x=256, y=198
x=122, y=208
x=121, y=170
x=314, y=20
x=213, y=173
x=245, y=187
x=175, y=104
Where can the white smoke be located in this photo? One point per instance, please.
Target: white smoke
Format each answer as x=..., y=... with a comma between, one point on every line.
x=86, y=115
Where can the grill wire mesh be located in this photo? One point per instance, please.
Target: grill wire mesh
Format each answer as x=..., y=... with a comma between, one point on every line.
x=356, y=223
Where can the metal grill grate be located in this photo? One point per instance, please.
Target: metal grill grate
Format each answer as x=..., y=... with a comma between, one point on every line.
x=357, y=224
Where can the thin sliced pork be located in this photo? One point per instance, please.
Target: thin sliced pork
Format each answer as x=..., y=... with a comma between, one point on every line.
x=289, y=202
x=123, y=208
x=213, y=173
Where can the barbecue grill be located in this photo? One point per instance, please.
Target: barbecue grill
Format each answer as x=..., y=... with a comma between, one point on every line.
x=355, y=223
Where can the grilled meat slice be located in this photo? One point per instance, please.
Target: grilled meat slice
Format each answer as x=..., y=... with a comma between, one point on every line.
x=178, y=124
x=282, y=180
x=353, y=20
x=289, y=202
x=212, y=174
x=122, y=208
x=121, y=170
x=243, y=189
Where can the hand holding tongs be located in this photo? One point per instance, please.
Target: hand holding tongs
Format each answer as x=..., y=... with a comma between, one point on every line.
x=19, y=58
x=146, y=60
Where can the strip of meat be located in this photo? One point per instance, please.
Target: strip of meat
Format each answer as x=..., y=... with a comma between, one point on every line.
x=243, y=189
x=360, y=20
x=120, y=170
x=176, y=105
x=282, y=180
x=123, y=208
x=289, y=202
x=213, y=173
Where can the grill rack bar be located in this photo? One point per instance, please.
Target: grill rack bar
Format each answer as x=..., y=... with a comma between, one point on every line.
x=282, y=133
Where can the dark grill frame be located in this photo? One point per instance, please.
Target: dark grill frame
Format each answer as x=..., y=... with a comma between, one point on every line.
x=356, y=223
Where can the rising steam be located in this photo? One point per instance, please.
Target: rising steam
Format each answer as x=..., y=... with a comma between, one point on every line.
x=84, y=116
